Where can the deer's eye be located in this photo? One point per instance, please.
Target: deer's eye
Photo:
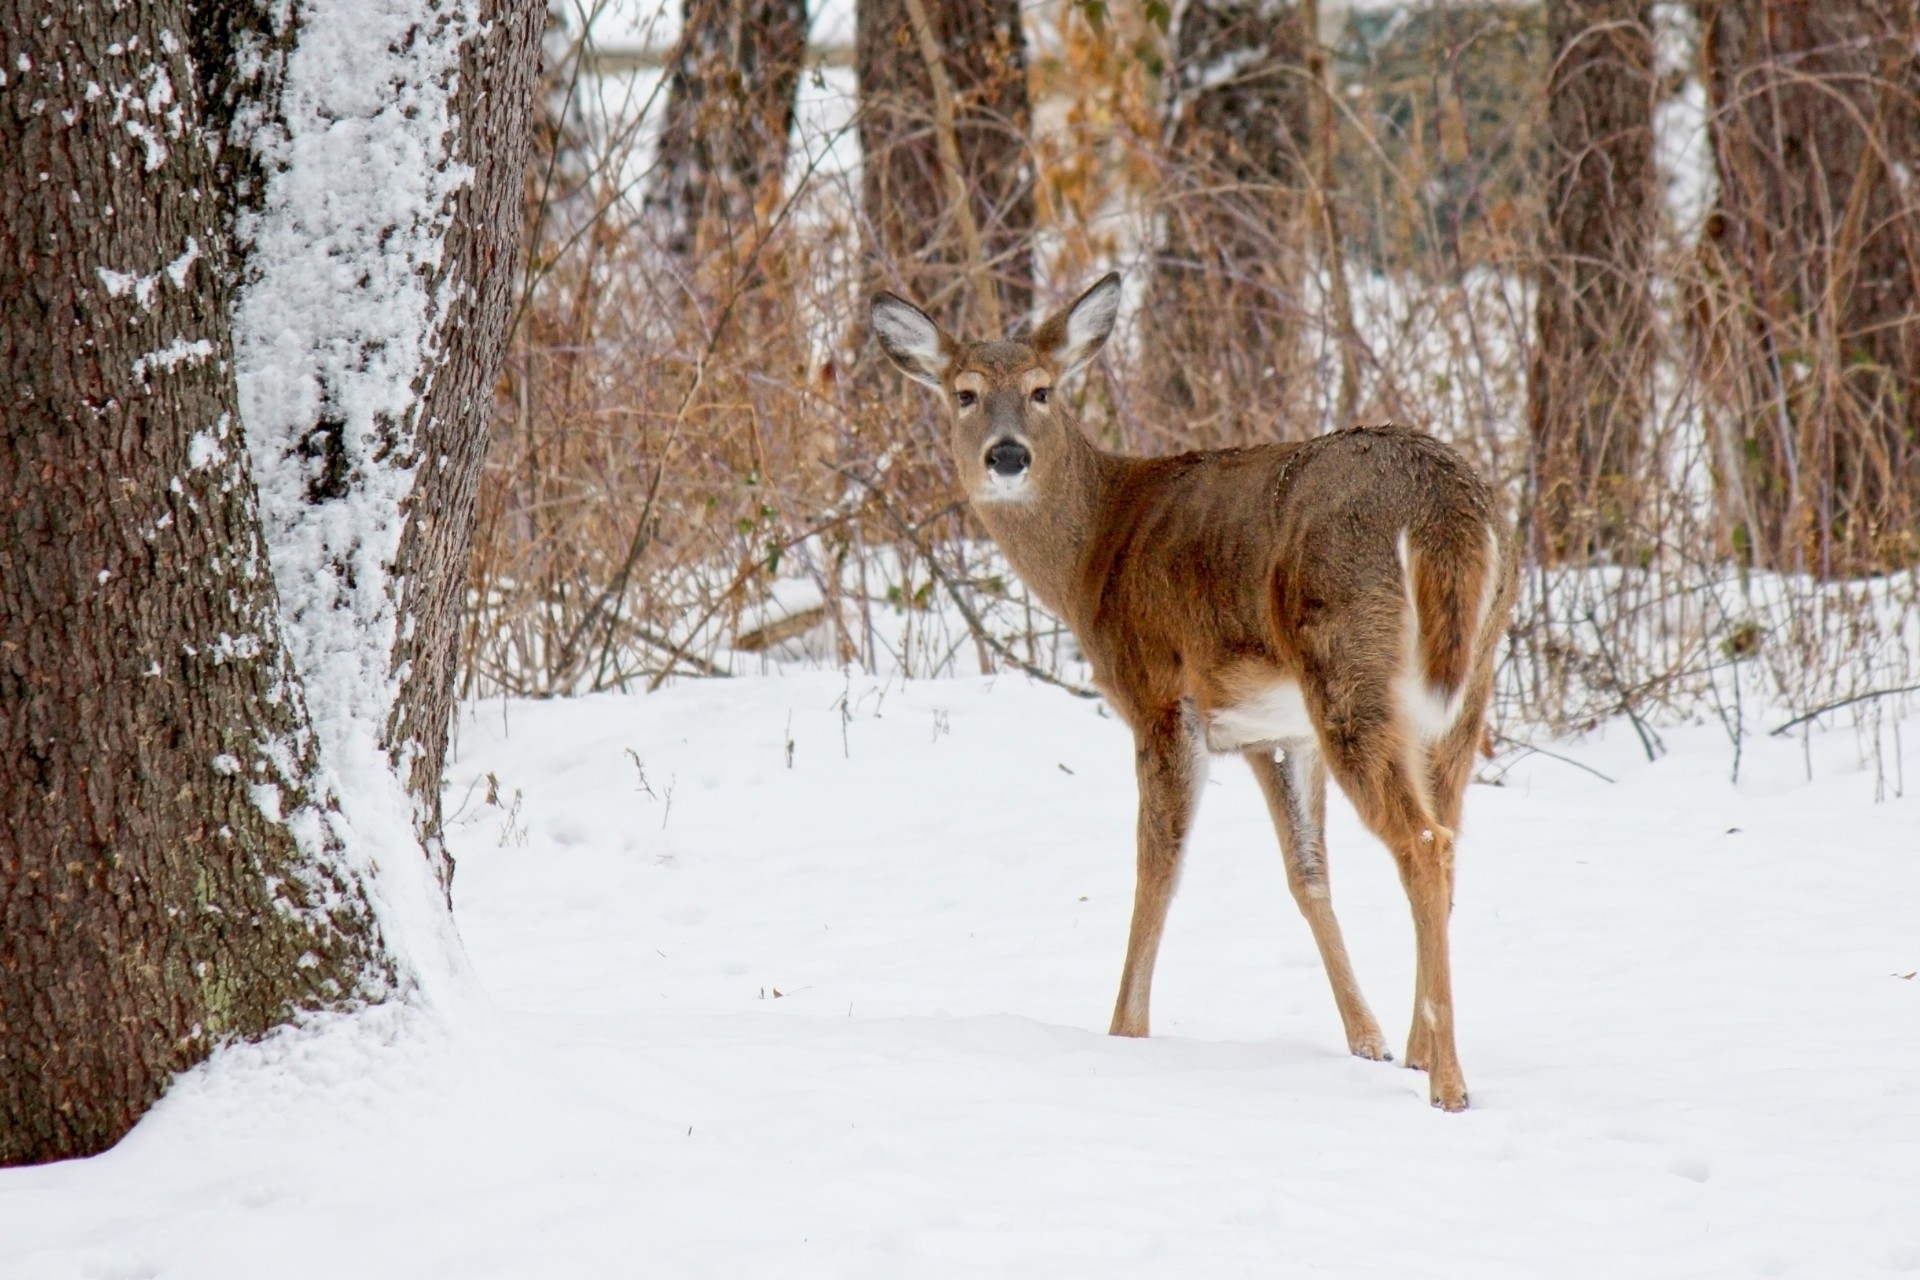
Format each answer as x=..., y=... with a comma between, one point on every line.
x=965, y=399
x=1039, y=395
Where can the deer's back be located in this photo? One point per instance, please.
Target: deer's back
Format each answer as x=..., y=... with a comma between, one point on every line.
x=1215, y=561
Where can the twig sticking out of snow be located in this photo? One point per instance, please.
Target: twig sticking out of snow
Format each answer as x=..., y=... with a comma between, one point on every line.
x=1843, y=702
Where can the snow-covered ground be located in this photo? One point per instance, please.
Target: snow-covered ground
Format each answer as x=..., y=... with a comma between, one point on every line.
x=824, y=996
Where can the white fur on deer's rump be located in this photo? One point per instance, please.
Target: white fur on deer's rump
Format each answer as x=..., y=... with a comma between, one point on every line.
x=1424, y=707
x=845, y=1019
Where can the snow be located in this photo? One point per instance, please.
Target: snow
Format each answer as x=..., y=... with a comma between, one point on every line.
x=336, y=323
x=177, y=352
x=336, y=330
x=120, y=283
x=807, y=974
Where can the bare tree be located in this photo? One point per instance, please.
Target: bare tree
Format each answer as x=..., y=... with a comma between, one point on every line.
x=1589, y=388
x=947, y=208
x=243, y=427
x=157, y=768
x=479, y=271
x=947, y=181
x=1226, y=308
x=1816, y=125
x=730, y=103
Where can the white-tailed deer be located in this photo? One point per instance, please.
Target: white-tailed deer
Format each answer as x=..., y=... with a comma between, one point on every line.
x=1327, y=605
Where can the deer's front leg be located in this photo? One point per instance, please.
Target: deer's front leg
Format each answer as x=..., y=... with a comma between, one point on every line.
x=1171, y=763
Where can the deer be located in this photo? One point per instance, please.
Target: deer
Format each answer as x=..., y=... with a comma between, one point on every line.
x=1325, y=606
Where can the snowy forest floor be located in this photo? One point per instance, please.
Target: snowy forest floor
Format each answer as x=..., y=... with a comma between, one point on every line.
x=823, y=994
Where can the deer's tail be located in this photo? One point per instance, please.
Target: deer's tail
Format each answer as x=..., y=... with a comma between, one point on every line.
x=1451, y=583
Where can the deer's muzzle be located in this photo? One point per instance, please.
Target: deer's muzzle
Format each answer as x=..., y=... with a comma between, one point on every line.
x=1008, y=458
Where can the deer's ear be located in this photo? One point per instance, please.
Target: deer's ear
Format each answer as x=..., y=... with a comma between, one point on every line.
x=918, y=345
x=1074, y=336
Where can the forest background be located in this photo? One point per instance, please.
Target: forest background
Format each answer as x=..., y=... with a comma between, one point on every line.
x=1653, y=267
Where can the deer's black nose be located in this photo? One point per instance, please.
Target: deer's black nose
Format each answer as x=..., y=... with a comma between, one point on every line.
x=1008, y=458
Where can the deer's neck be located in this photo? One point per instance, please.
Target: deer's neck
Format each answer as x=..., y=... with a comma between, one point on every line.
x=1048, y=537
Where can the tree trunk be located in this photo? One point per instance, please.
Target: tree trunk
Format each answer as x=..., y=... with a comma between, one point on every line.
x=1817, y=234
x=730, y=103
x=1589, y=392
x=170, y=874
x=175, y=867
x=480, y=269
x=946, y=181
x=1321, y=22
x=1220, y=331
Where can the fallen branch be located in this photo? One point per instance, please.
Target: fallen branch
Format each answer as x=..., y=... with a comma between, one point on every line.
x=1528, y=747
x=1844, y=702
x=679, y=652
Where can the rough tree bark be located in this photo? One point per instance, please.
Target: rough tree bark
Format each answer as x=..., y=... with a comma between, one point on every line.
x=1816, y=131
x=169, y=872
x=947, y=180
x=1220, y=329
x=247, y=393
x=1589, y=390
x=479, y=269
x=729, y=113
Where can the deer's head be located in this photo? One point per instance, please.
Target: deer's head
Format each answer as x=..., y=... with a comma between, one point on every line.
x=1010, y=434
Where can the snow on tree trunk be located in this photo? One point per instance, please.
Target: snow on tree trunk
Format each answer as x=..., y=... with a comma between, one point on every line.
x=480, y=272
x=373, y=312
x=173, y=868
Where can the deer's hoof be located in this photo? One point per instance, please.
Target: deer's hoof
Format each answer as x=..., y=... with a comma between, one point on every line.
x=1371, y=1046
x=1417, y=1052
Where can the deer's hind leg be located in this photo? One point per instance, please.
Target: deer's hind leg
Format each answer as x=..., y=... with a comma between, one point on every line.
x=1449, y=762
x=1384, y=772
x=1296, y=791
